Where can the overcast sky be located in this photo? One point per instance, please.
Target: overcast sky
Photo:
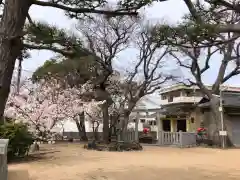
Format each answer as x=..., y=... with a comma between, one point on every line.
x=171, y=11
x=54, y=16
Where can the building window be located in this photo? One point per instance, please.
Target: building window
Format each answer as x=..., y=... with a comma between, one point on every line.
x=142, y=120
x=164, y=97
x=134, y=120
x=192, y=120
x=152, y=123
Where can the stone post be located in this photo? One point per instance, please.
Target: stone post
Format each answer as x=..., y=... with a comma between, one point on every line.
x=181, y=138
x=3, y=159
x=159, y=125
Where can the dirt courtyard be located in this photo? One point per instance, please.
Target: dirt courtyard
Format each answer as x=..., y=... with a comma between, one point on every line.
x=72, y=162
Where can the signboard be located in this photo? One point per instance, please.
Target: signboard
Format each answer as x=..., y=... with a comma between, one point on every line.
x=220, y=109
x=223, y=133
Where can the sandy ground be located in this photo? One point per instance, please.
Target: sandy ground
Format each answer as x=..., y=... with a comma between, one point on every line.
x=72, y=162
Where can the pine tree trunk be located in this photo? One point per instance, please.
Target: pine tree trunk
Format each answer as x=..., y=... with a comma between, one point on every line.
x=124, y=128
x=124, y=124
x=215, y=123
x=113, y=126
x=11, y=31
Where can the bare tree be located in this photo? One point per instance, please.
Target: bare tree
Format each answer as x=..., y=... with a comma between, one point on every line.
x=200, y=58
x=146, y=77
x=106, y=38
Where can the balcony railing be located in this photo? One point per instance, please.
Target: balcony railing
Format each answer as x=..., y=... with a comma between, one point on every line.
x=181, y=99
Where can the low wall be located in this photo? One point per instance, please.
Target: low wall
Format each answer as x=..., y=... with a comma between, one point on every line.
x=188, y=139
x=181, y=139
x=75, y=135
x=90, y=135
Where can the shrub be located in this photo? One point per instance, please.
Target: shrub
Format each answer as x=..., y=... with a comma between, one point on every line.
x=116, y=146
x=20, y=139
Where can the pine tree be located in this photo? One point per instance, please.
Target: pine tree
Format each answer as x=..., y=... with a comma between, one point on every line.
x=18, y=35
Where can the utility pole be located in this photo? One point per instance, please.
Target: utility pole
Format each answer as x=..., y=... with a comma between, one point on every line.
x=20, y=59
x=194, y=94
x=223, y=133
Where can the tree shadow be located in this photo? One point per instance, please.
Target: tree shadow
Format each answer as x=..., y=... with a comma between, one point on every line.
x=38, y=156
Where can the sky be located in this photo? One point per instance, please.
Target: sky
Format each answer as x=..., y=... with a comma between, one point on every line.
x=156, y=12
x=170, y=11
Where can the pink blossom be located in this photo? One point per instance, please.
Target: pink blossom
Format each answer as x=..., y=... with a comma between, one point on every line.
x=43, y=105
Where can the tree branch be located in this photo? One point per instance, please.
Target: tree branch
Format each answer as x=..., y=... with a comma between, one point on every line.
x=119, y=12
x=193, y=11
x=234, y=7
x=153, y=87
x=67, y=53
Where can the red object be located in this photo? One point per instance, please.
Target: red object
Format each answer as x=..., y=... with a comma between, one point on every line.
x=145, y=130
x=201, y=129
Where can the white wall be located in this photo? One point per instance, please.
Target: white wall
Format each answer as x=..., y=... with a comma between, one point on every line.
x=140, y=124
x=70, y=126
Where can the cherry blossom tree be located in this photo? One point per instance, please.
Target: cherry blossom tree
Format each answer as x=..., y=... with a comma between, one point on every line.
x=81, y=104
x=42, y=106
x=94, y=115
x=79, y=110
x=38, y=106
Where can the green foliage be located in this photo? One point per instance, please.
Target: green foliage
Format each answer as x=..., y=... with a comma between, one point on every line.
x=203, y=31
x=136, y=4
x=88, y=4
x=44, y=36
x=184, y=34
x=19, y=137
x=73, y=71
x=124, y=7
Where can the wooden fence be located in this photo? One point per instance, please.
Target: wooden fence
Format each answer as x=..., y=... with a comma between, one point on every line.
x=181, y=139
x=130, y=136
x=3, y=159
